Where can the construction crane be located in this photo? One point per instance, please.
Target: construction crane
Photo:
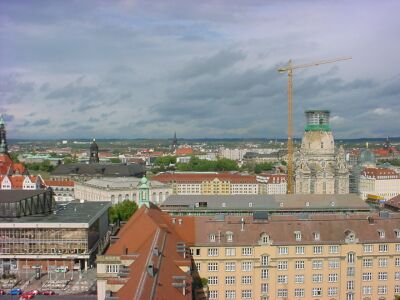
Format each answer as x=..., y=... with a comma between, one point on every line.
x=289, y=69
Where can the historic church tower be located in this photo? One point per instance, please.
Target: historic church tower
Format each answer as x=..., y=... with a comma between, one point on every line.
x=3, y=138
x=320, y=169
x=94, y=153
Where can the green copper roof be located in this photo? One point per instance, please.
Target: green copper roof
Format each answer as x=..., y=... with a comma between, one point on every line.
x=321, y=127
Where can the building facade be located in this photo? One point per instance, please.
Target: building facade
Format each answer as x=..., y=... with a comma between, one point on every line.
x=319, y=168
x=118, y=189
x=209, y=183
x=63, y=190
x=379, y=182
x=272, y=184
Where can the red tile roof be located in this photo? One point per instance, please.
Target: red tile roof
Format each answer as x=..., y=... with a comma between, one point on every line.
x=17, y=181
x=201, y=177
x=380, y=173
x=394, y=202
x=59, y=183
x=184, y=151
x=7, y=166
x=147, y=229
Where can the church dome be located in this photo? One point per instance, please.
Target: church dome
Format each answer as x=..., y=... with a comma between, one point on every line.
x=143, y=180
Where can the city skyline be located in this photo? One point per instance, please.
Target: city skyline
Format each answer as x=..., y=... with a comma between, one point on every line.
x=145, y=70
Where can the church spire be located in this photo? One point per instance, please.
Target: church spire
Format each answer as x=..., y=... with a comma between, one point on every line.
x=94, y=153
x=175, y=141
x=3, y=138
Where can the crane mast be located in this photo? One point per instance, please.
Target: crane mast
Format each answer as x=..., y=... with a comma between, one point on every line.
x=289, y=69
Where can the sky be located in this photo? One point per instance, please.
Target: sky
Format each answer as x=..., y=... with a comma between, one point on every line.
x=145, y=69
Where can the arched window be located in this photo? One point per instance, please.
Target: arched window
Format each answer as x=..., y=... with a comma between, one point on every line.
x=126, y=196
x=112, y=198
x=119, y=198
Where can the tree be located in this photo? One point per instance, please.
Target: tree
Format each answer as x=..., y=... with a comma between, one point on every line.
x=165, y=161
x=122, y=211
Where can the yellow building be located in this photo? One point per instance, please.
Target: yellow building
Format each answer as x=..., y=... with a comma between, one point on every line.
x=287, y=257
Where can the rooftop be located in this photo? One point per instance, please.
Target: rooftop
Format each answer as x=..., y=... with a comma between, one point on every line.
x=199, y=177
x=112, y=170
x=118, y=182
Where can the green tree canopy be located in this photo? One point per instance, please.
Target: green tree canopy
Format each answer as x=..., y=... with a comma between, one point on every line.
x=122, y=211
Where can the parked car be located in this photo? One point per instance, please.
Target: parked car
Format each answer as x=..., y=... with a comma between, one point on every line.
x=49, y=292
x=34, y=292
x=2, y=292
x=16, y=291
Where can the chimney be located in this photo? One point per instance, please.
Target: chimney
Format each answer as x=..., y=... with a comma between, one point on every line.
x=242, y=223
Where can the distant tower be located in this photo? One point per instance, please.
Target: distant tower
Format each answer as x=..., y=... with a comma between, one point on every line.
x=174, y=142
x=319, y=168
x=94, y=153
x=387, y=144
x=3, y=138
x=144, y=192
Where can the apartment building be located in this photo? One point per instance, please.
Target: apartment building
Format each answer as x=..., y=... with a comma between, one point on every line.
x=272, y=184
x=209, y=183
x=382, y=182
x=323, y=257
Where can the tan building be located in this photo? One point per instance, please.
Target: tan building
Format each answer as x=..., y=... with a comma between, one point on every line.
x=272, y=184
x=379, y=182
x=320, y=169
x=209, y=183
x=324, y=257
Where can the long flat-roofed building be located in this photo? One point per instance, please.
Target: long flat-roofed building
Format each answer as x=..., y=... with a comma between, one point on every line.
x=271, y=204
x=35, y=231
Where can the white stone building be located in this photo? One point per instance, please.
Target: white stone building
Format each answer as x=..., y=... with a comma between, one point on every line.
x=320, y=169
x=272, y=184
x=379, y=182
x=117, y=189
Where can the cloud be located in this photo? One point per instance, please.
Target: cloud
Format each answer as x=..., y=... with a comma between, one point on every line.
x=40, y=122
x=380, y=111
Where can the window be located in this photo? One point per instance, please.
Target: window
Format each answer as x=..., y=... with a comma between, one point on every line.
x=367, y=290
x=247, y=294
x=299, y=278
x=350, y=285
x=247, y=266
x=282, y=293
x=317, y=264
x=382, y=262
x=382, y=289
x=333, y=277
x=212, y=238
x=299, y=292
x=264, y=273
x=264, y=288
x=264, y=260
x=334, y=263
x=317, y=291
x=382, y=275
x=332, y=291
x=230, y=294
x=213, y=267
x=112, y=268
x=212, y=280
x=350, y=257
x=212, y=294
x=229, y=236
x=383, y=248
x=299, y=264
x=317, y=278
x=229, y=280
x=381, y=234
x=350, y=271
x=197, y=266
x=297, y=235
x=246, y=280
x=197, y=251
x=283, y=250
x=247, y=251
x=282, y=265
x=396, y=275
x=317, y=249
x=367, y=262
x=230, y=266
x=333, y=249
x=212, y=252
x=300, y=250
x=367, y=276
x=397, y=247
x=397, y=262
x=264, y=238
x=282, y=279
x=368, y=248
x=230, y=251
x=397, y=289
x=316, y=236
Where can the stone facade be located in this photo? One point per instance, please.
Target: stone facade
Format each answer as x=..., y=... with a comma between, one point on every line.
x=320, y=168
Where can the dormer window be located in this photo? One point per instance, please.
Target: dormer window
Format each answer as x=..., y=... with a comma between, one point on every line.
x=307, y=204
x=297, y=235
x=250, y=204
x=397, y=233
x=264, y=238
x=229, y=236
x=316, y=236
x=212, y=237
x=381, y=234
